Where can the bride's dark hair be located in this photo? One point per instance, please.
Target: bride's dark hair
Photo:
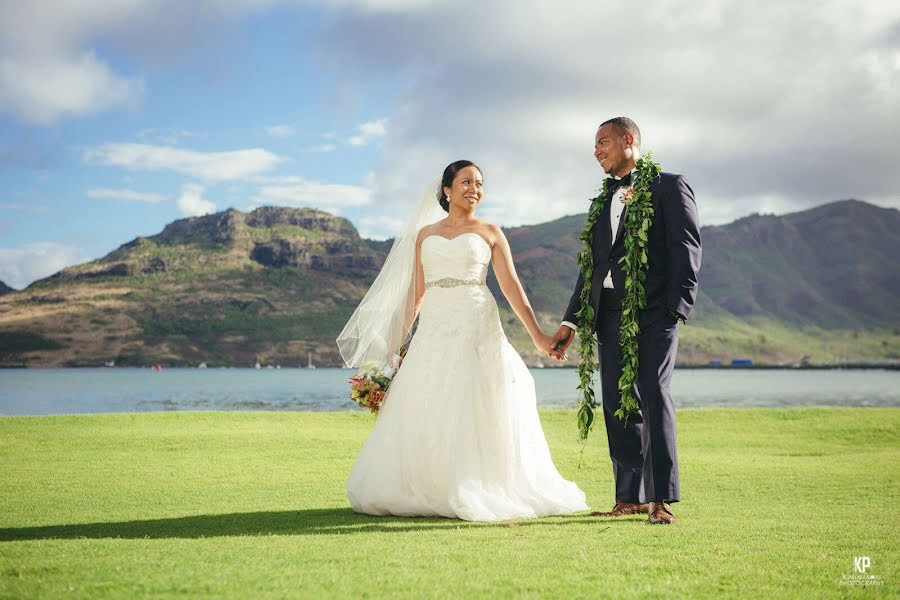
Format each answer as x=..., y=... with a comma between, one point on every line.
x=448, y=177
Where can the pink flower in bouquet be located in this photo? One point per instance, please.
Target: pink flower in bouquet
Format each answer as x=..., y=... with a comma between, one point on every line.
x=376, y=398
x=368, y=388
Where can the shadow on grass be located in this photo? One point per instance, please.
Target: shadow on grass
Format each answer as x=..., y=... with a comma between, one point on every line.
x=327, y=521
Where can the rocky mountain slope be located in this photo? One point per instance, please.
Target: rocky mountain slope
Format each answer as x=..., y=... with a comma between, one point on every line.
x=279, y=283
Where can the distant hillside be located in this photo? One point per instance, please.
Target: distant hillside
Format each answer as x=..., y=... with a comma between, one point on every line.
x=822, y=283
x=5, y=289
x=833, y=266
x=223, y=289
x=278, y=283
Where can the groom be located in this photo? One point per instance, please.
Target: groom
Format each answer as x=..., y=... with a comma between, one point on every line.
x=644, y=457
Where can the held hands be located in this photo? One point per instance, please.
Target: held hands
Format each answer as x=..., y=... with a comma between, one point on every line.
x=542, y=342
x=560, y=342
x=554, y=347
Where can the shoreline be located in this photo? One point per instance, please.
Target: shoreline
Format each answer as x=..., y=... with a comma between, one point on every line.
x=688, y=366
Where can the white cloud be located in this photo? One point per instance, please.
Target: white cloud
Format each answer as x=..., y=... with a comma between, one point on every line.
x=755, y=115
x=125, y=195
x=40, y=89
x=21, y=266
x=759, y=118
x=168, y=137
x=389, y=6
x=277, y=179
x=211, y=166
x=281, y=131
x=49, y=67
x=374, y=128
x=321, y=149
x=369, y=131
x=719, y=211
x=191, y=202
x=296, y=191
x=379, y=228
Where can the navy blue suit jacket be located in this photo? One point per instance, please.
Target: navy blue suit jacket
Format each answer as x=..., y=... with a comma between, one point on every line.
x=673, y=255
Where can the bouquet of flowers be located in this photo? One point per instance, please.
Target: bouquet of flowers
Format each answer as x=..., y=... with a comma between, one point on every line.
x=370, y=384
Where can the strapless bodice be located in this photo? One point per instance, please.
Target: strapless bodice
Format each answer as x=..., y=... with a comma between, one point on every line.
x=465, y=257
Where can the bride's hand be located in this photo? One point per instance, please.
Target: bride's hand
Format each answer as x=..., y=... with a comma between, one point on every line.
x=542, y=342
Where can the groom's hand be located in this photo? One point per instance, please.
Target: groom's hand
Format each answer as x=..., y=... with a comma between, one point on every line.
x=561, y=341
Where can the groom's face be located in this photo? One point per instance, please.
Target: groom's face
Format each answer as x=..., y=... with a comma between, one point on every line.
x=611, y=149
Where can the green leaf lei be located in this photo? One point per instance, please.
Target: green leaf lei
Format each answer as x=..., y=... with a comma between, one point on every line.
x=638, y=217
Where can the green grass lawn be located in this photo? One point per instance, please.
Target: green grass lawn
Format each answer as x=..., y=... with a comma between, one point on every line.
x=775, y=503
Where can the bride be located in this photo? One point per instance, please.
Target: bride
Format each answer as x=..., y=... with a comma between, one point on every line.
x=458, y=434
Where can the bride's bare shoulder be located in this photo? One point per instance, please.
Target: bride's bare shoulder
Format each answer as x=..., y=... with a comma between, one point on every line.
x=491, y=232
x=426, y=231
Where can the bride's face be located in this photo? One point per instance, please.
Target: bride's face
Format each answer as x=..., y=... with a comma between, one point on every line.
x=467, y=188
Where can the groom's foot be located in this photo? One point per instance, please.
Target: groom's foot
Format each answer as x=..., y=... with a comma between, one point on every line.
x=661, y=514
x=622, y=509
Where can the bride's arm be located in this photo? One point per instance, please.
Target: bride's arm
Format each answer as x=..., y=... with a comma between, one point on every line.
x=419, y=274
x=513, y=291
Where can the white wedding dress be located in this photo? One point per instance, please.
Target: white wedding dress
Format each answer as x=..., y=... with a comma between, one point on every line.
x=459, y=434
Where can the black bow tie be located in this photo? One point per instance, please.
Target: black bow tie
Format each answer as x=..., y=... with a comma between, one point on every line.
x=613, y=184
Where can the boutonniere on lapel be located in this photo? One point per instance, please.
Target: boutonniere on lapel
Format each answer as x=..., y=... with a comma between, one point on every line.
x=638, y=219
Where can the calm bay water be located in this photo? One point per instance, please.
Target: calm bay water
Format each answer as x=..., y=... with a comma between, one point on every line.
x=72, y=391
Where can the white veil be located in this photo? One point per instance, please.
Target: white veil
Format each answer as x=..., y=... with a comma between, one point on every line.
x=381, y=323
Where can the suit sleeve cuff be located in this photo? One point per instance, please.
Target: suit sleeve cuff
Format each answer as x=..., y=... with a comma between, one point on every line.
x=571, y=326
x=677, y=315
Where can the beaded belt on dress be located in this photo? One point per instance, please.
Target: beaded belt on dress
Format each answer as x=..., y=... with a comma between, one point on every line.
x=448, y=282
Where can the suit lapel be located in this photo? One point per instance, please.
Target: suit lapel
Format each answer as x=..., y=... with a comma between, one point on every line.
x=620, y=234
x=601, y=233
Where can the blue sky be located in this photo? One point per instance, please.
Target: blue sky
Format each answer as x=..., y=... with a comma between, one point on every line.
x=118, y=117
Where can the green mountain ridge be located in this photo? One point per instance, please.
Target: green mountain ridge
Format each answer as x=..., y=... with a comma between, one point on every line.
x=833, y=266
x=278, y=283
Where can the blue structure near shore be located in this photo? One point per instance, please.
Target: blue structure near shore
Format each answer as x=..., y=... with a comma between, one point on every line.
x=741, y=362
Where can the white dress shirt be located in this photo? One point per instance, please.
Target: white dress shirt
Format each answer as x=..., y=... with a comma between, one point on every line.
x=616, y=208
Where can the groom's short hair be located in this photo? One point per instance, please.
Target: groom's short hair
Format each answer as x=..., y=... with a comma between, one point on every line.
x=625, y=125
